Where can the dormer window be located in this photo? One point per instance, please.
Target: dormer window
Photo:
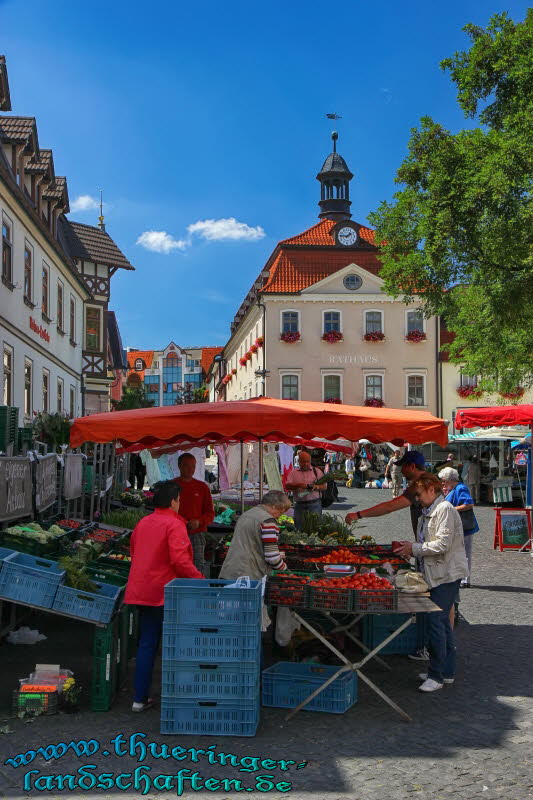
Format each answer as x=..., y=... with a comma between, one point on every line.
x=138, y=364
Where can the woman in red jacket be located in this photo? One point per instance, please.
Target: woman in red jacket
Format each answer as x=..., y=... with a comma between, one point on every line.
x=160, y=552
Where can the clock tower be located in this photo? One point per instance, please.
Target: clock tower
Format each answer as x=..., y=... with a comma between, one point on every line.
x=334, y=180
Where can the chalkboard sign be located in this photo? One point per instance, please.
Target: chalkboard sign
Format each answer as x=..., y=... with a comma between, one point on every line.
x=15, y=488
x=512, y=529
x=45, y=482
x=72, y=483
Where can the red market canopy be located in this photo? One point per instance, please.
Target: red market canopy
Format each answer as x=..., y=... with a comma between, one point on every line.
x=494, y=415
x=259, y=418
x=163, y=448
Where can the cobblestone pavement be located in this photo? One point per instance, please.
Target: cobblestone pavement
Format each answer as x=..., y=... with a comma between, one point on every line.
x=472, y=740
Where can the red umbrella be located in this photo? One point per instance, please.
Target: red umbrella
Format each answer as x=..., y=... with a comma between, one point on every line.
x=259, y=418
x=494, y=415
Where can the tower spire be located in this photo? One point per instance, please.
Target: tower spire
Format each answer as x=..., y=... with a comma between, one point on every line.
x=101, y=223
x=334, y=180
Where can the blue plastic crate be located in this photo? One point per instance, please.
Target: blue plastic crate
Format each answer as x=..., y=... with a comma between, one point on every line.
x=182, y=679
x=5, y=552
x=207, y=602
x=97, y=606
x=210, y=717
x=211, y=643
x=378, y=627
x=30, y=579
x=286, y=685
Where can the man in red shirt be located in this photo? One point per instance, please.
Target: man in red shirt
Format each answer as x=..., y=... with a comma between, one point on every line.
x=196, y=507
x=160, y=551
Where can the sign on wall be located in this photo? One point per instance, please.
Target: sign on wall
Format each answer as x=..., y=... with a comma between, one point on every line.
x=45, y=482
x=15, y=488
x=73, y=475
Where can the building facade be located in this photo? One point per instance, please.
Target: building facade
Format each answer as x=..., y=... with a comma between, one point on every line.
x=170, y=375
x=317, y=324
x=55, y=283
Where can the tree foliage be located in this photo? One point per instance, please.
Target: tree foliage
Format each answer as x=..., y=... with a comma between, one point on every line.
x=189, y=393
x=132, y=397
x=459, y=233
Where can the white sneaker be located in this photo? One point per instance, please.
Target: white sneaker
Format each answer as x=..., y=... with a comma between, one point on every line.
x=430, y=685
x=424, y=676
x=420, y=655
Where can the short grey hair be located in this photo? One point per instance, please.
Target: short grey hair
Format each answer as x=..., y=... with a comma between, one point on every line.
x=449, y=474
x=276, y=499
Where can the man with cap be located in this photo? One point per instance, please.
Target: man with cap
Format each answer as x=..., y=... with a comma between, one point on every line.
x=412, y=465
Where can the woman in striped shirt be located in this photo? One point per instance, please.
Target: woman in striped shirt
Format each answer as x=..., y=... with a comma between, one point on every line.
x=254, y=547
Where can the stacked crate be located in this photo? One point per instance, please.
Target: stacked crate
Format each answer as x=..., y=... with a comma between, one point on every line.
x=378, y=627
x=8, y=426
x=211, y=658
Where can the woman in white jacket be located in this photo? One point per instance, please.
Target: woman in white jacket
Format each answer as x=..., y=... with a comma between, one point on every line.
x=441, y=550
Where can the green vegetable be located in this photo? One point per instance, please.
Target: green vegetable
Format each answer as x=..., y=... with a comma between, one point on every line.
x=124, y=519
x=75, y=575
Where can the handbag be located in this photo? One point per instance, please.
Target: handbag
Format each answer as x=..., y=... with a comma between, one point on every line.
x=468, y=518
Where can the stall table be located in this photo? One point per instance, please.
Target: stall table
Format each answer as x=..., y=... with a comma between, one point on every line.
x=407, y=604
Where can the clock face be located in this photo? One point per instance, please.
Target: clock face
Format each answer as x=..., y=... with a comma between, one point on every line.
x=347, y=236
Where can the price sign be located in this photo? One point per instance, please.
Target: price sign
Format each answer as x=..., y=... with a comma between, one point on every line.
x=15, y=488
x=45, y=482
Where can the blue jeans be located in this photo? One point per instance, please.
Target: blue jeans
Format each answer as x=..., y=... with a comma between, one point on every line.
x=150, y=630
x=441, y=644
x=301, y=508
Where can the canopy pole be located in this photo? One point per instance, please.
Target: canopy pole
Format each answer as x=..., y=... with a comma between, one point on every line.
x=260, y=469
x=242, y=477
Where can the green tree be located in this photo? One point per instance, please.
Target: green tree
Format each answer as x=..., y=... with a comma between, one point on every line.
x=459, y=233
x=188, y=393
x=132, y=397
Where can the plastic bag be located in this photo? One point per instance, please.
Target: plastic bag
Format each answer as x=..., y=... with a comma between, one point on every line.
x=385, y=484
x=286, y=625
x=241, y=583
x=411, y=582
x=25, y=635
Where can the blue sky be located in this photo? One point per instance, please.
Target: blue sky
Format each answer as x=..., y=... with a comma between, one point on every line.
x=191, y=115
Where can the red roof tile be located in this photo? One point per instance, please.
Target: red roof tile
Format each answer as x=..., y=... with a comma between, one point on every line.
x=146, y=355
x=294, y=270
x=320, y=234
x=208, y=354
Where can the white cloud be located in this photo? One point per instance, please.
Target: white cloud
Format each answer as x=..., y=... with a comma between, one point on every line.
x=225, y=229
x=160, y=242
x=84, y=202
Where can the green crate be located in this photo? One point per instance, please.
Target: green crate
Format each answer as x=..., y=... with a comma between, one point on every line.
x=105, y=665
x=105, y=575
x=118, y=565
x=34, y=703
x=129, y=629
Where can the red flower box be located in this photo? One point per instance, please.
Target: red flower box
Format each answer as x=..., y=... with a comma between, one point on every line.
x=469, y=391
x=260, y=341
x=374, y=402
x=233, y=371
x=377, y=336
x=416, y=336
x=242, y=361
x=334, y=400
x=254, y=348
x=515, y=394
x=290, y=337
x=332, y=337
x=248, y=356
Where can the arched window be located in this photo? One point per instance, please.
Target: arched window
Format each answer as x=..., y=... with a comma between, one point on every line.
x=139, y=364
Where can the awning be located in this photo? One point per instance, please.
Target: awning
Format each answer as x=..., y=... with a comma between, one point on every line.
x=494, y=415
x=259, y=418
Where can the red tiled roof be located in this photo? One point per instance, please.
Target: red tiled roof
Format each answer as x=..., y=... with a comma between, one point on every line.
x=320, y=234
x=146, y=355
x=208, y=354
x=294, y=270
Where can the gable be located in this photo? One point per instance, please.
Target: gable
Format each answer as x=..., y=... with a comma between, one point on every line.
x=334, y=284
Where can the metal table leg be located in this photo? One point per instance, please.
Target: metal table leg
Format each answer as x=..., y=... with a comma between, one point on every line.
x=347, y=630
x=356, y=667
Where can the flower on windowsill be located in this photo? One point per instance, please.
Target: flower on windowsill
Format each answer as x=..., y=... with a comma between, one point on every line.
x=469, y=391
x=514, y=394
x=376, y=336
x=374, y=402
x=290, y=336
x=254, y=348
x=332, y=337
x=248, y=356
x=233, y=371
x=242, y=361
x=334, y=400
x=416, y=336
x=260, y=341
